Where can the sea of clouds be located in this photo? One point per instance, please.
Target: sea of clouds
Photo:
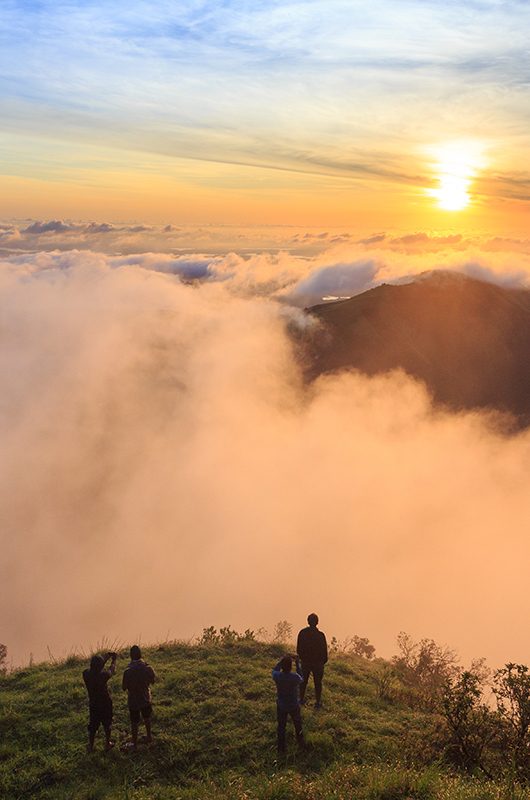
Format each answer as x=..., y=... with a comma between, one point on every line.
x=164, y=466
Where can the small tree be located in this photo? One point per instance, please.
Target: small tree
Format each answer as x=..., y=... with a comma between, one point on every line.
x=470, y=724
x=511, y=687
x=424, y=668
x=283, y=632
x=361, y=646
x=357, y=645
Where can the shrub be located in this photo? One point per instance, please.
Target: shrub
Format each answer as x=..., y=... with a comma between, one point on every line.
x=208, y=637
x=424, y=668
x=511, y=687
x=471, y=726
x=283, y=632
x=226, y=636
x=356, y=645
x=387, y=683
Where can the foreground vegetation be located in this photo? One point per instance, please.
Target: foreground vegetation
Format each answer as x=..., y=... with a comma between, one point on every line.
x=215, y=734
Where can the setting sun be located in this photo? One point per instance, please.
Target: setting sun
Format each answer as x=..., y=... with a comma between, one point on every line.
x=455, y=167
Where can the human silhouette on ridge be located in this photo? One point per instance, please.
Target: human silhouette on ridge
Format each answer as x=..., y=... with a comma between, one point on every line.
x=313, y=651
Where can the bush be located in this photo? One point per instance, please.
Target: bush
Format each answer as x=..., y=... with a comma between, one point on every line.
x=424, y=668
x=511, y=687
x=387, y=683
x=471, y=726
x=355, y=645
x=210, y=637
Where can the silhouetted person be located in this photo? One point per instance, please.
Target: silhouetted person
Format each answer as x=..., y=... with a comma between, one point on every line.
x=313, y=651
x=288, y=702
x=96, y=680
x=137, y=680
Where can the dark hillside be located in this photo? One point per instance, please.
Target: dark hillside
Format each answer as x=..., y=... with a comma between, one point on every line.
x=468, y=340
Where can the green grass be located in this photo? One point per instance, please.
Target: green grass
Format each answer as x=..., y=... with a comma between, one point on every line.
x=214, y=730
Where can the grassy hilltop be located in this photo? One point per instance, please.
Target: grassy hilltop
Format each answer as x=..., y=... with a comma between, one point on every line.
x=215, y=735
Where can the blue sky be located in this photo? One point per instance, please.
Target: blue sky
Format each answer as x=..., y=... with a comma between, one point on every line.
x=342, y=89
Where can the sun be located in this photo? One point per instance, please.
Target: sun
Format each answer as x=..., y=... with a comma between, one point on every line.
x=453, y=192
x=455, y=166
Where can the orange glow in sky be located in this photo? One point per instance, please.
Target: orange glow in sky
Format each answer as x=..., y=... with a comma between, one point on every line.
x=276, y=113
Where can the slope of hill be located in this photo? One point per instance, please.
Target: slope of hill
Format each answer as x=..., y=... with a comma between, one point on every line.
x=215, y=736
x=468, y=340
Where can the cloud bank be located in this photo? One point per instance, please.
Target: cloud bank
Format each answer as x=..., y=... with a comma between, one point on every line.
x=297, y=266
x=164, y=468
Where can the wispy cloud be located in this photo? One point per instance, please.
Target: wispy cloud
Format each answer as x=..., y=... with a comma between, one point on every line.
x=334, y=87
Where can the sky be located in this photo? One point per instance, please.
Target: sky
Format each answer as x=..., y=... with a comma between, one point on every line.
x=292, y=113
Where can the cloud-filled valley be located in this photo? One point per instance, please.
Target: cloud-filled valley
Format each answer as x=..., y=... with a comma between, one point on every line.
x=166, y=467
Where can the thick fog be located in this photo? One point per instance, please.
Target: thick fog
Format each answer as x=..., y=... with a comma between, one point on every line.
x=163, y=468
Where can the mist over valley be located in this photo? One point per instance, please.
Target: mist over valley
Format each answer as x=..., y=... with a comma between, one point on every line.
x=177, y=439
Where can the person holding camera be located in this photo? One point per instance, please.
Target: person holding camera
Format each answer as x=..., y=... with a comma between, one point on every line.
x=96, y=680
x=287, y=702
x=137, y=680
x=312, y=649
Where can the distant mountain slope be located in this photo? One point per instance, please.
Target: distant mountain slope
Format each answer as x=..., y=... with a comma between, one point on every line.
x=468, y=340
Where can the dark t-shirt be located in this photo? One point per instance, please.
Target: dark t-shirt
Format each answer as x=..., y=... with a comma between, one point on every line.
x=312, y=646
x=97, y=688
x=136, y=679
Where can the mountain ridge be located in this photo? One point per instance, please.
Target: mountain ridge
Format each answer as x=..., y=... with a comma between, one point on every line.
x=468, y=340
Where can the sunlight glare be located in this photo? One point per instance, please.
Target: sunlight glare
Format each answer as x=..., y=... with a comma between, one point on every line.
x=456, y=165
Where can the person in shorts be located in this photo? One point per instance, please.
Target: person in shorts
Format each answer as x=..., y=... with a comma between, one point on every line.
x=96, y=679
x=137, y=680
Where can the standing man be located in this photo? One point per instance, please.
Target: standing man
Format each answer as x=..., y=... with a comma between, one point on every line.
x=96, y=679
x=287, y=702
x=313, y=651
x=137, y=680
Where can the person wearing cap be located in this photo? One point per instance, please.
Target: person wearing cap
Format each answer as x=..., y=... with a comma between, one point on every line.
x=312, y=649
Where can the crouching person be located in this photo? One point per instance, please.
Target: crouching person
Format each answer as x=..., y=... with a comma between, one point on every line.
x=137, y=680
x=288, y=701
x=96, y=680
